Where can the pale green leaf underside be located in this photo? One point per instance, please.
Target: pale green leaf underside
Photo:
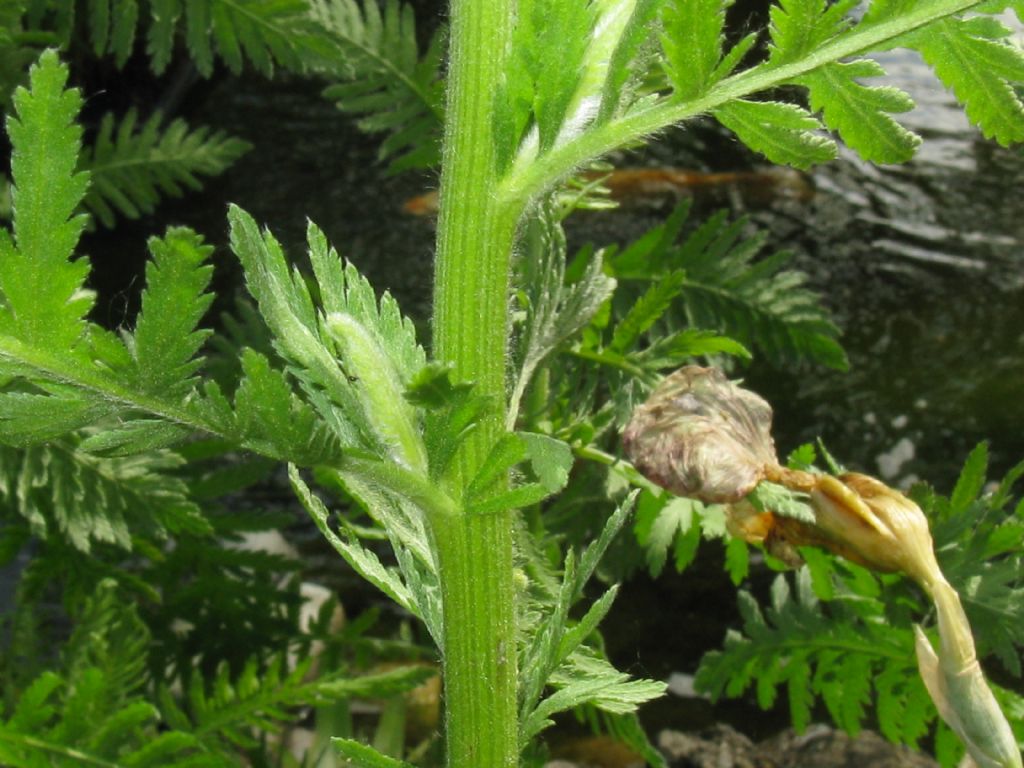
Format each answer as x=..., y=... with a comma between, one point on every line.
x=784, y=133
x=303, y=335
x=61, y=490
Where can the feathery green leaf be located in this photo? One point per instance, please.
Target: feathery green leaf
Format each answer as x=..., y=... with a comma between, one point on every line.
x=798, y=27
x=861, y=114
x=646, y=311
x=264, y=32
x=93, y=713
x=112, y=26
x=551, y=459
x=364, y=756
x=756, y=302
x=555, y=312
x=270, y=418
x=556, y=654
x=300, y=337
x=132, y=167
x=629, y=63
x=363, y=561
x=237, y=709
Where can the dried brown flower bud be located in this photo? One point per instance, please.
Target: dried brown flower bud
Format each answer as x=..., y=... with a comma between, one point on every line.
x=700, y=435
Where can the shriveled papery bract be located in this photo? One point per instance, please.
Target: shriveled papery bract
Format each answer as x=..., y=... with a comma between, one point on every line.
x=702, y=436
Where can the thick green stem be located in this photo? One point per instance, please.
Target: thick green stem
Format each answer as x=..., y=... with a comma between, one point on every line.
x=474, y=245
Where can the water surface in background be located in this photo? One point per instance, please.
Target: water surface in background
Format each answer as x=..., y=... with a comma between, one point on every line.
x=923, y=265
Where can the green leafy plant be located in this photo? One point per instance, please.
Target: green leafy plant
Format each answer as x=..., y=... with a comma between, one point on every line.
x=427, y=444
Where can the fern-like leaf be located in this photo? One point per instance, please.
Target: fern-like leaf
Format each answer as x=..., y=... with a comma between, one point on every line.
x=265, y=33
x=724, y=286
x=361, y=415
x=555, y=312
x=860, y=114
x=758, y=303
x=237, y=710
x=838, y=656
x=557, y=655
x=575, y=65
x=132, y=166
x=44, y=300
x=980, y=545
x=544, y=27
x=630, y=61
x=417, y=587
x=384, y=79
x=800, y=26
x=91, y=712
x=363, y=561
x=361, y=755
x=273, y=420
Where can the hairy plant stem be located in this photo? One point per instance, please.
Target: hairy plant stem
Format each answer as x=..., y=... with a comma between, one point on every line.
x=474, y=245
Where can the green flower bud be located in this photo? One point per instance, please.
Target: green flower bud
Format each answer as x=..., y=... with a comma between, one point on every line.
x=381, y=390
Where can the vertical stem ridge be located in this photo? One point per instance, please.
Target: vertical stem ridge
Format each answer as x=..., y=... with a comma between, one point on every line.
x=470, y=324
